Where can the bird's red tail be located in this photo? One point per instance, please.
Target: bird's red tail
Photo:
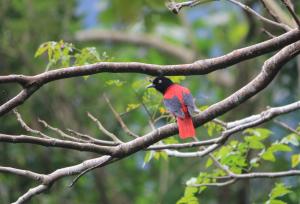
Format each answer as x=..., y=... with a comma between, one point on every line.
x=186, y=127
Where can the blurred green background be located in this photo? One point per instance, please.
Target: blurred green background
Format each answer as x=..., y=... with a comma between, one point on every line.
x=205, y=31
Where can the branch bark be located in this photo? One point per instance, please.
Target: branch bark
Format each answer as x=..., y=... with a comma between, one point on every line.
x=200, y=67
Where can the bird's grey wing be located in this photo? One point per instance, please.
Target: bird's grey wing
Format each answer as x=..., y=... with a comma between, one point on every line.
x=189, y=102
x=174, y=106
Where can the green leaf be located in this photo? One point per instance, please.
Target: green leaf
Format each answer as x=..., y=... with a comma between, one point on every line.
x=269, y=156
x=188, y=200
x=279, y=190
x=148, y=157
x=213, y=128
x=177, y=79
x=276, y=147
x=280, y=147
x=260, y=133
x=156, y=155
x=164, y=155
x=209, y=162
x=295, y=160
x=190, y=191
x=255, y=144
x=170, y=140
x=132, y=106
x=115, y=82
x=291, y=139
x=41, y=50
x=275, y=202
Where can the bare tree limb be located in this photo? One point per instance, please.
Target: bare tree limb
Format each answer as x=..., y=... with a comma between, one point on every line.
x=25, y=139
x=21, y=172
x=239, y=125
x=256, y=175
x=49, y=179
x=200, y=67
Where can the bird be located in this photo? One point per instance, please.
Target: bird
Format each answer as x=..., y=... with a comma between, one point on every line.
x=179, y=101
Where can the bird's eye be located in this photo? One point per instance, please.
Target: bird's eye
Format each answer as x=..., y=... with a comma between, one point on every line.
x=159, y=81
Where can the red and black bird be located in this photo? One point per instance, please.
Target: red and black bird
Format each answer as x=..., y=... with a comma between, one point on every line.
x=179, y=101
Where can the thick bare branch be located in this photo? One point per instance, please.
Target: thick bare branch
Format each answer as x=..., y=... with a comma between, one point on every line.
x=49, y=179
x=21, y=172
x=199, y=67
x=88, y=147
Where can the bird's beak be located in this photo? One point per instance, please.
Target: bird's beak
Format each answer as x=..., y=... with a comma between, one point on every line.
x=150, y=86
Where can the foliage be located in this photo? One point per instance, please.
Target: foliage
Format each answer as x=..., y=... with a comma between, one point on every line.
x=278, y=191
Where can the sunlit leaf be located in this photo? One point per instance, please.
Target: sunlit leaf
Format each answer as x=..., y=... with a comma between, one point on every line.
x=279, y=190
x=269, y=156
x=132, y=106
x=291, y=139
x=209, y=162
x=41, y=50
x=295, y=160
x=115, y=82
x=275, y=202
x=280, y=147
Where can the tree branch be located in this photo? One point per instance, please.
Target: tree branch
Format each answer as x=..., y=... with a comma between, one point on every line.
x=263, y=19
x=199, y=67
x=87, y=147
x=292, y=12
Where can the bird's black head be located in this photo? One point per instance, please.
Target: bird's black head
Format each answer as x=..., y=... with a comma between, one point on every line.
x=161, y=84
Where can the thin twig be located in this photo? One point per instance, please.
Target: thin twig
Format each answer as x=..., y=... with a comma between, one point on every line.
x=268, y=33
x=27, y=128
x=101, y=127
x=91, y=139
x=89, y=169
x=151, y=121
x=292, y=12
x=286, y=127
x=262, y=18
x=60, y=132
x=221, y=184
x=119, y=119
